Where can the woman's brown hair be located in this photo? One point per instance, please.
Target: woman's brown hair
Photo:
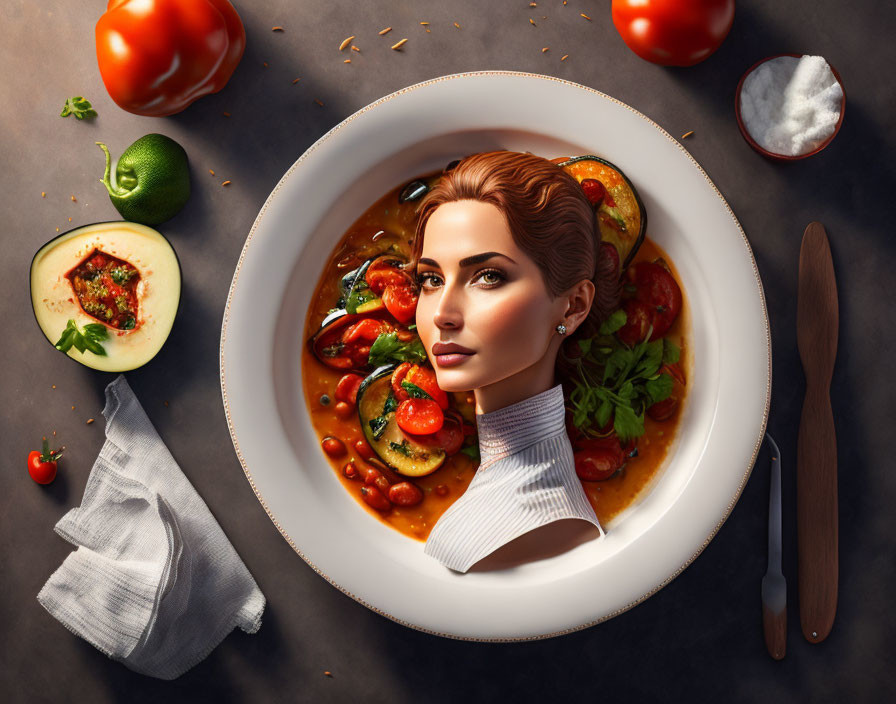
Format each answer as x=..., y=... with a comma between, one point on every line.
x=547, y=213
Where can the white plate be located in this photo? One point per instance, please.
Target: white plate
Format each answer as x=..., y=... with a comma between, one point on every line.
x=420, y=129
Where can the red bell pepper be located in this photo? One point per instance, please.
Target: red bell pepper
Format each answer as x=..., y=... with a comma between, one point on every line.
x=158, y=56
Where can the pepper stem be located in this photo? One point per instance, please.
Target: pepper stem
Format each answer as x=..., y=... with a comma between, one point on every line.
x=108, y=173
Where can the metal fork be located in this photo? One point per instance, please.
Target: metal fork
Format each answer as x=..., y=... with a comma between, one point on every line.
x=774, y=586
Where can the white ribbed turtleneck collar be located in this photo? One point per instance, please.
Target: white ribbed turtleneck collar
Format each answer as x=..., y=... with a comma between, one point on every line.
x=513, y=428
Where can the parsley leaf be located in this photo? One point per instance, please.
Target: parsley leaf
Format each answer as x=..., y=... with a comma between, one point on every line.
x=616, y=320
x=671, y=352
x=79, y=107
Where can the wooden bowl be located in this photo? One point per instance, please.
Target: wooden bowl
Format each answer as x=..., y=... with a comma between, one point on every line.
x=773, y=155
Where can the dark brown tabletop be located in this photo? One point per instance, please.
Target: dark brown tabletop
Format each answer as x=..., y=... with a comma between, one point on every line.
x=700, y=637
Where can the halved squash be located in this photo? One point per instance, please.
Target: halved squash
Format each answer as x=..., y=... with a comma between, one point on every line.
x=625, y=223
x=376, y=411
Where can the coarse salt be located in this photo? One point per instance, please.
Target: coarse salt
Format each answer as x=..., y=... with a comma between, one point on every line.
x=791, y=105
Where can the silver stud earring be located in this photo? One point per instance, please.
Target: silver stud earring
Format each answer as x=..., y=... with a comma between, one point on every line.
x=561, y=328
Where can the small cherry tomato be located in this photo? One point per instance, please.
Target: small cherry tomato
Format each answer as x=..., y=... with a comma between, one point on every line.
x=385, y=272
x=344, y=410
x=405, y=494
x=637, y=323
x=374, y=498
x=350, y=471
x=594, y=191
x=657, y=287
x=598, y=459
x=367, y=330
x=441, y=490
x=334, y=447
x=42, y=463
x=419, y=416
x=397, y=377
x=450, y=437
x=675, y=371
x=401, y=302
x=425, y=378
x=347, y=388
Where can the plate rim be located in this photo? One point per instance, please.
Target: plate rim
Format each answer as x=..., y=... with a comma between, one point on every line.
x=765, y=320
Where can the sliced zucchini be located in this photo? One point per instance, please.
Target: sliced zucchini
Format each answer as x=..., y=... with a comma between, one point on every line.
x=625, y=224
x=376, y=411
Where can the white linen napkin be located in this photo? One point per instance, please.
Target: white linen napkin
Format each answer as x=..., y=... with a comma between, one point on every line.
x=154, y=582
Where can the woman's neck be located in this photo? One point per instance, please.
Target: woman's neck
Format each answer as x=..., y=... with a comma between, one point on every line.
x=517, y=387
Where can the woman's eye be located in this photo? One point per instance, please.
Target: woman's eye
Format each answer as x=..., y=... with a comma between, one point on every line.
x=489, y=277
x=427, y=280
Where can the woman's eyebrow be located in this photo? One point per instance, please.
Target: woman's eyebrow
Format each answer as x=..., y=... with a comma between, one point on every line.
x=470, y=261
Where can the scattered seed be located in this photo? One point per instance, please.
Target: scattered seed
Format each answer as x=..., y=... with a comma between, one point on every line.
x=354, y=48
x=327, y=673
x=211, y=172
x=585, y=16
x=89, y=421
x=296, y=80
x=424, y=23
x=687, y=134
x=398, y=45
x=264, y=63
x=74, y=200
x=457, y=25
x=318, y=102
x=73, y=408
x=43, y=194
x=346, y=42
x=226, y=114
x=54, y=433
x=277, y=29
x=54, y=386
x=57, y=229
x=532, y=4
x=69, y=219
x=166, y=404
x=347, y=61
x=544, y=49
x=532, y=22
x=384, y=31
x=225, y=183
x=564, y=2
x=564, y=57
x=428, y=31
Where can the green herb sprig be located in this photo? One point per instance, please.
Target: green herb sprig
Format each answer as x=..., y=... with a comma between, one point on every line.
x=387, y=348
x=619, y=382
x=79, y=107
x=89, y=339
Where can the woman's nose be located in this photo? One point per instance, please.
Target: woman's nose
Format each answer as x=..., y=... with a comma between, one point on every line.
x=448, y=313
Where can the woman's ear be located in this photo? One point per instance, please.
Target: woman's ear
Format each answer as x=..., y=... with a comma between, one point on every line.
x=579, y=299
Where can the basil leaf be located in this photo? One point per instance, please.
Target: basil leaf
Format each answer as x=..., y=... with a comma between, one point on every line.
x=94, y=347
x=402, y=448
x=79, y=342
x=415, y=391
x=95, y=331
x=79, y=107
x=391, y=403
x=64, y=343
x=388, y=348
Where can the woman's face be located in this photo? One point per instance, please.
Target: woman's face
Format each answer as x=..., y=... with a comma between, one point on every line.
x=484, y=314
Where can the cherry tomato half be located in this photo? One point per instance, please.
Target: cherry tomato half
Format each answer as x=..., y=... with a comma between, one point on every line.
x=425, y=378
x=401, y=302
x=450, y=437
x=673, y=32
x=419, y=416
x=657, y=303
x=598, y=459
x=385, y=272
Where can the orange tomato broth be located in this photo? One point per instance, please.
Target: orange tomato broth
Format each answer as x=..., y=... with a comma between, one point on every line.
x=388, y=222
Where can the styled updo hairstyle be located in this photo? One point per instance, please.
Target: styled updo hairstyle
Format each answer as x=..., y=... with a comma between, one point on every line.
x=548, y=215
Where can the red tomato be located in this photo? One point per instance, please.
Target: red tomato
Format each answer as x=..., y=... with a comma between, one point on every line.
x=419, y=416
x=598, y=459
x=673, y=32
x=450, y=437
x=397, y=377
x=42, y=463
x=367, y=330
x=374, y=498
x=347, y=388
x=663, y=410
x=657, y=303
x=158, y=56
x=385, y=272
x=401, y=302
x=594, y=191
x=425, y=378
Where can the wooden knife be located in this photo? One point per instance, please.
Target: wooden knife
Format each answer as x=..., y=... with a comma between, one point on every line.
x=817, y=324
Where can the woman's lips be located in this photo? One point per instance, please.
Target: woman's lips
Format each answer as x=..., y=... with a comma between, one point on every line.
x=452, y=359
